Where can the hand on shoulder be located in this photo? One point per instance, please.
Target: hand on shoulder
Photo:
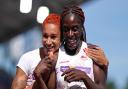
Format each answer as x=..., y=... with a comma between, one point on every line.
x=97, y=54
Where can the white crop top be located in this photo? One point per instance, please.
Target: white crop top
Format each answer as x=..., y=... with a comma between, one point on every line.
x=80, y=61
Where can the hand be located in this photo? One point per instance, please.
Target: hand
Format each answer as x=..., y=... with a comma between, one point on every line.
x=97, y=54
x=53, y=58
x=73, y=74
x=43, y=69
x=45, y=66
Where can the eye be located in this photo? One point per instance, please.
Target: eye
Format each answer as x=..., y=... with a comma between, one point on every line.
x=45, y=36
x=65, y=29
x=53, y=37
x=75, y=28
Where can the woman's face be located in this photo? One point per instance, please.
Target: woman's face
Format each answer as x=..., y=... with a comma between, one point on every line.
x=51, y=37
x=72, y=31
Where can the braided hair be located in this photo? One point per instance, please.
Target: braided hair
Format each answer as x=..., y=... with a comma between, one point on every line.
x=80, y=14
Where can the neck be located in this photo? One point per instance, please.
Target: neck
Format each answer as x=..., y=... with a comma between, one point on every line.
x=73, y=51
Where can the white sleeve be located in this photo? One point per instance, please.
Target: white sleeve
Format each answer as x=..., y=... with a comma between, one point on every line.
x=24, y=63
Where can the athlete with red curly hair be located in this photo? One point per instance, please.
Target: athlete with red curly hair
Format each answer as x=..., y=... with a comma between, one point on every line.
x=35, y=69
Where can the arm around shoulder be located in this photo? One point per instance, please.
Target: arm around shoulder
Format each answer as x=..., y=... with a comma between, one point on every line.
x=97, y=54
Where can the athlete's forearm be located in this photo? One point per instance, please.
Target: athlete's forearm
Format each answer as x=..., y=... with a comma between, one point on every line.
x=18, y=84
x=92, y=85
x=39, y=84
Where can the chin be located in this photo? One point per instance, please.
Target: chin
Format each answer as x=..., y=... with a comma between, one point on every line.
x=50, y=50
x=72, y=48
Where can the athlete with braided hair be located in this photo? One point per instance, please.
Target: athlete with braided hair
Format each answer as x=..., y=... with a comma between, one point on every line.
x=79, y=13
x=102, y=61
x=79, y=65
x=36, y=68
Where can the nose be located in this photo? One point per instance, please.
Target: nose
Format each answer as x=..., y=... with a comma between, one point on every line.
x=70, y=33
x=48, y=41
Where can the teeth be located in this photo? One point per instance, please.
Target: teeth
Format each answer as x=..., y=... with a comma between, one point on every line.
x=72, y=40
x=49, y=47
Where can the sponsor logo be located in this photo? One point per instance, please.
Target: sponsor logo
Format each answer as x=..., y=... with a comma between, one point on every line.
x=85, y=69
x=84, y=56
x=63, y=62
x=85, y=51
x=64, y=68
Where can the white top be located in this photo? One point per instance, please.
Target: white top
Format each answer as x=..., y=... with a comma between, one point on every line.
x=80, y=61
x=28, y=63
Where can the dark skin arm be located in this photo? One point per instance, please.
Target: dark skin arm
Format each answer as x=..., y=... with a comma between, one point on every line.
x=76, y=75
x=100, y=78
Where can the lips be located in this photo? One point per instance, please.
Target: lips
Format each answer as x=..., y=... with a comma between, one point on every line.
x=71, y=43
x=50, y=48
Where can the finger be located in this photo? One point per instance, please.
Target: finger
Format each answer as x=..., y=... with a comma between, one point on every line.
x=45, y=59
x=48, y=60
x=45, y=51
x=92, y=52
x=93, y=55
x=54, y=63
x=66, y=72
x=75, y=78
x=69, y=76
x=49, y=65
x=92, y=46
x=72, y=78
x=50, y=55
x=96, y=53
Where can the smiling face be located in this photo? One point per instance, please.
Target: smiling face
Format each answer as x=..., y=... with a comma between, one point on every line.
x=72, y=31
x=51, y=37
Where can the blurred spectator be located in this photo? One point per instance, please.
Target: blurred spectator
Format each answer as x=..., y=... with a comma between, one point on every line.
x=5, y=79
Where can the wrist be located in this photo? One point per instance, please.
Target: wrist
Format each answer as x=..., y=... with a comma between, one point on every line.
x=36, y=75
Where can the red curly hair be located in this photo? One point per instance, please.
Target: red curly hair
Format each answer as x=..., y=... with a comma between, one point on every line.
x=52, y=18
